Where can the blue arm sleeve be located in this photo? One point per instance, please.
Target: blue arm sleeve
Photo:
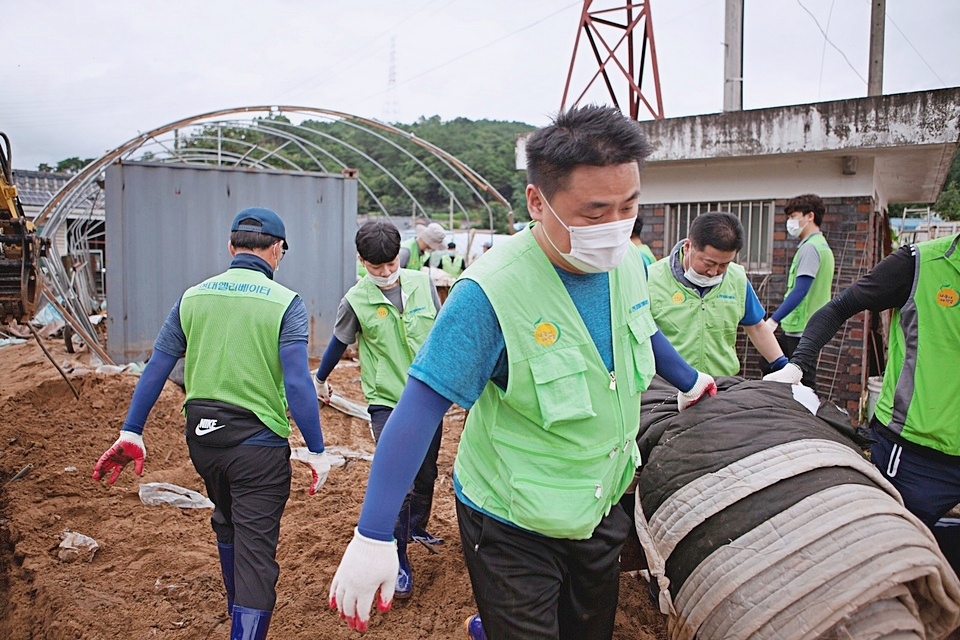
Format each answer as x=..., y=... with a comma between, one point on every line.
x=670, y=365
x=148, y=390
x=400, y=452
x=301, y=396
x=331, y=356
x=800, y=289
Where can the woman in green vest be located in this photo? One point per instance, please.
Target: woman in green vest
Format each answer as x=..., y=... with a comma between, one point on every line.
x=389, y=313
x=915, y=426
x=552, y=339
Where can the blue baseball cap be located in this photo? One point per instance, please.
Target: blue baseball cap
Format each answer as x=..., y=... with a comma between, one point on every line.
x=270, y=223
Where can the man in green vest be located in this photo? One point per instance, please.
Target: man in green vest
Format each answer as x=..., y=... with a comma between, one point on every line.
x=389, y=313
x=915, y=424
x=552, y=338
x=699, y=296
x=452, y=262
x=414, y=252
x=636, y=237
x=244, y=339
x=810, y=278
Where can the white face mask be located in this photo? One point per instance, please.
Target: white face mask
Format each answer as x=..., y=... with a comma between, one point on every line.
x=384, y=282
x=702, y=281
x=794, y=228
x=594, y=248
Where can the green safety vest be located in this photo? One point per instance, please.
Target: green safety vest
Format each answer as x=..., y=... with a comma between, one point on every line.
x=920, y=396
x=388, y=340
x=557, y=449
x=819, y=293
x=451, y=264
x=417, y=259
x=703, y=330
x=232, y=325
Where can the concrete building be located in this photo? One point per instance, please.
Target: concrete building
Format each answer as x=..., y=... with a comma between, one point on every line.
x=859, y=155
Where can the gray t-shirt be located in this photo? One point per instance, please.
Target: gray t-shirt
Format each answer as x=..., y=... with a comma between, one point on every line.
x=347, y=325
x=808, y=260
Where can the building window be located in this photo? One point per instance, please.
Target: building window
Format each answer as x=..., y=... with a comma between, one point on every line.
x=757, y=219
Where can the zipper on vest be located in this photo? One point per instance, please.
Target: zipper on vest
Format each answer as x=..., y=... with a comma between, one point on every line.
x=613, y=381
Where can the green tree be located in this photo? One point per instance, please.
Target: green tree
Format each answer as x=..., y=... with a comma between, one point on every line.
x=72, y=165
x=948, y=204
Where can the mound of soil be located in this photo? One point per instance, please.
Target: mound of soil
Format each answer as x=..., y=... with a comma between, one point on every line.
x=156, y=573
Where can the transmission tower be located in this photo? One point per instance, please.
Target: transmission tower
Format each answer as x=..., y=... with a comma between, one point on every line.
x=620, y=38
x=391, y=106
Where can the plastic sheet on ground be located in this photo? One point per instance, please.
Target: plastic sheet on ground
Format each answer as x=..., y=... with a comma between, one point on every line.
x=158, y=493
x=6, y=342
x=76, y=546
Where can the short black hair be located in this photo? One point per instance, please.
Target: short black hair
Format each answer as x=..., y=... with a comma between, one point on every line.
x=806, y=203
x=252, y=239
x=378, y=241
x=637, y=227
x=719, y=229
x=591, y=135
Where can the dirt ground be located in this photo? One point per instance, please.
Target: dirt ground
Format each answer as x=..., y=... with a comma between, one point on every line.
x=156, y=574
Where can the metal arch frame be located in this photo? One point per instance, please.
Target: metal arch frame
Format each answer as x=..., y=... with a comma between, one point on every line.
x=71, y=198
x=588, y=25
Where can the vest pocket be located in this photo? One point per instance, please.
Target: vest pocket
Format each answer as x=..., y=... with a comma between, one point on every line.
x=536, y=505
x=560, y=382
x=638, y=345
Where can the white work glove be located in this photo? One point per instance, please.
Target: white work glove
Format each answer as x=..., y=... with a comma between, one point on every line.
x=773, y=324
x=323, y=390
x=128, y=447
x=790, y=374
x=704, y=386
x=319, y=466
x=367, y=566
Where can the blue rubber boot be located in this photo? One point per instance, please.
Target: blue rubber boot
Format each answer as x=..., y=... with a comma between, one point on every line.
x=474, y=627
x=404, y=587
x=226, y=570
x=249, y=624
x=420, y=507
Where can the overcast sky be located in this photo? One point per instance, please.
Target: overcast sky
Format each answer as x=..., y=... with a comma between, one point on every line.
x=81, y=78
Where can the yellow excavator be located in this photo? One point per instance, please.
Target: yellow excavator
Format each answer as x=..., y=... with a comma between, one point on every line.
x=20, y=248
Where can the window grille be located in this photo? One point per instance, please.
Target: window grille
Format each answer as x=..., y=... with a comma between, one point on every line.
x=756, y=256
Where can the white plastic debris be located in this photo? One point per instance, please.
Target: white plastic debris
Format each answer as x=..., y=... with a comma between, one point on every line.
x=155, y=494
x=76, y=546
x=336, y=455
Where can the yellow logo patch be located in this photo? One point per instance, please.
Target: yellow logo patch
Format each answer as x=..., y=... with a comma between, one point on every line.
x=381, y=312
x=947, y=296
x=546, y=333
x=678, y=297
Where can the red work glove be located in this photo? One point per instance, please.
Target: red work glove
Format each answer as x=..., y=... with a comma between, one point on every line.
x=128, y=447
x=704, y=386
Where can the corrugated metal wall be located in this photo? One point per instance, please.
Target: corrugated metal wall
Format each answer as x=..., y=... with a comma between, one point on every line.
x=168, y=227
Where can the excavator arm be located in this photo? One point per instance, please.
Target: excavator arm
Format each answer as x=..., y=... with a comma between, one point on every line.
x=20, y=248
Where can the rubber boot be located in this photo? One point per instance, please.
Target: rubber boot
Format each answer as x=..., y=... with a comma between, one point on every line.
x=249, y=624
x=404, y=587
x=420, y=506
x=474, y=628
x=226, y=570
